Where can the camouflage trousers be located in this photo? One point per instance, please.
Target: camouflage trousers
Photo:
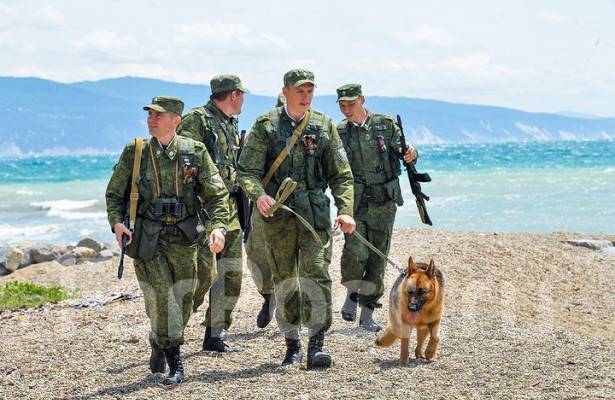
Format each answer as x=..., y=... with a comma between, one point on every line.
x=168, y=282
x=221, y=275
x=259, y=256
x=363, y=270
x=300, y=268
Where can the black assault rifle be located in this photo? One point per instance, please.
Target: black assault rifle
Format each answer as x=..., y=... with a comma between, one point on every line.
x=415, y=177
x=243, y=203
x=120, y=268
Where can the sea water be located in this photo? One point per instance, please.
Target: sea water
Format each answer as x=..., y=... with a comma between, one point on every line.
x=506, y=187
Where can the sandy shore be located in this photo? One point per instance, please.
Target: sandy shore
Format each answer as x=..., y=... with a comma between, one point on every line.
x=527, y=316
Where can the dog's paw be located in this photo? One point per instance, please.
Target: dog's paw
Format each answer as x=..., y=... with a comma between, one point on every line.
x=418, y=353
x=430, y=354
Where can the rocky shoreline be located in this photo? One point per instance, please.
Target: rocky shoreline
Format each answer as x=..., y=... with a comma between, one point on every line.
x=527, y=316
x=25, y=254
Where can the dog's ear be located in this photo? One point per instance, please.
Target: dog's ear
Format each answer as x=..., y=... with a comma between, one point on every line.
x=412, y=268
x=431, y=269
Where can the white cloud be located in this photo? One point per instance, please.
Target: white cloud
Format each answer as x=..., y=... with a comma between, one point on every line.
x=223, y=35
x=396, y=66
x=110, y=46
x=7, y=15
x=50, y=18
x=476, y=66
x=426, y=35
x=551, y=17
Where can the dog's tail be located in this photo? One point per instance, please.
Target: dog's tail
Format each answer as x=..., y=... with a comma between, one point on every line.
x=386, y=339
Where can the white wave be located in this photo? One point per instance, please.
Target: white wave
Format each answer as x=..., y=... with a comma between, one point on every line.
x=11, y=231
x=27, y=192
x=72, y=216
x=64, y=205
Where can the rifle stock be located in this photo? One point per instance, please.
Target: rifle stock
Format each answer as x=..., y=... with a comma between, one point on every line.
x=415, y=178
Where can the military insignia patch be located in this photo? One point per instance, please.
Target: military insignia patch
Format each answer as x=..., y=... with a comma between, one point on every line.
x=341, y=153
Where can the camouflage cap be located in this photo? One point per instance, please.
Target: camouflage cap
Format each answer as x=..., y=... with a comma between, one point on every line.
x=225, y=83
x=351, y=91
x=298, y=77
x=166, y=104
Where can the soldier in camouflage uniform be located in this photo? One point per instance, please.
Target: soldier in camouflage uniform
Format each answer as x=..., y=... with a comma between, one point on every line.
x=173, y=172
x=259, y=260
x=214, y=125
x=317, y=161
x=372, y=142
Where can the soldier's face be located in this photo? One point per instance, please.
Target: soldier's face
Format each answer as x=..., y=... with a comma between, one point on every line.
x=353, y=109
x=299, y=99
x=237, y=100
x=161, y=123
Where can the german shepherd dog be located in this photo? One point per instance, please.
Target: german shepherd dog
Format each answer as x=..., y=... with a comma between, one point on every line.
x=416, y=300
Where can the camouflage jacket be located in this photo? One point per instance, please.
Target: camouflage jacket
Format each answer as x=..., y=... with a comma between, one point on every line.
x=316, y=161
x=168, y=169
x=374, y=152
x=209, y=125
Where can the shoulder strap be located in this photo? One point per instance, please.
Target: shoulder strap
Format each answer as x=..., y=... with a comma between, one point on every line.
x=134, y=189
x=286, y=150
x=186, y=146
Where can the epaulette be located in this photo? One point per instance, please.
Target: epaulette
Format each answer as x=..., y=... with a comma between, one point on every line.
x=186, y=145
x=342, y=124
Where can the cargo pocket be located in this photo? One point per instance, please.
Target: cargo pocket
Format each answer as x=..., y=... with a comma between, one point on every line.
x=149, y=239
x=321, y=210
x=393, y=190
x=188, y=227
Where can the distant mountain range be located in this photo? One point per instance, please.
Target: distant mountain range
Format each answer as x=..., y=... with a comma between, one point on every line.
x=42, y=116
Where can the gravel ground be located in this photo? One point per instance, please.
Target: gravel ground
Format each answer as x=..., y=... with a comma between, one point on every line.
x=527, y=316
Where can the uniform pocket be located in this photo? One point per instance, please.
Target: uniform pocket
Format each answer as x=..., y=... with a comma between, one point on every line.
x=188, y=227
x=321, y=210
x=149, y=239
x=393, y=190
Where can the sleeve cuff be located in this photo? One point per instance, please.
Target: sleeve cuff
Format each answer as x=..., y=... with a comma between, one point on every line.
x=345, y=211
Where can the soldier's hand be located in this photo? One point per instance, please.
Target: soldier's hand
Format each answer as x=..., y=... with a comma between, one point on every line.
x=411, y=154
x=345, y=223
x=264, y=203
x=120, y=230
x=216, y=241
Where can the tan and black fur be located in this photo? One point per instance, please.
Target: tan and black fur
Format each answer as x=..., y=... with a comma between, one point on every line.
x=416, y=301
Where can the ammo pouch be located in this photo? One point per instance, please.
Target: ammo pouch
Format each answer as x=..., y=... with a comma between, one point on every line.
x=132, y=250
x=144, y=239
x=188, y=227
x=393, y=191
x=382, y=193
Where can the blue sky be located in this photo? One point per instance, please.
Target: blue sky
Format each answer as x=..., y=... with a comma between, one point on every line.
x=533, y=55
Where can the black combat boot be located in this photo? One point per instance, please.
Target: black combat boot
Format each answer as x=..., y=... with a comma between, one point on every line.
x=266, y=313
x=317, y=358
x=294, y=355
x=176, y=369
x=366, y=320
x=157, y=363
x=213, y=341
x=349, y=309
